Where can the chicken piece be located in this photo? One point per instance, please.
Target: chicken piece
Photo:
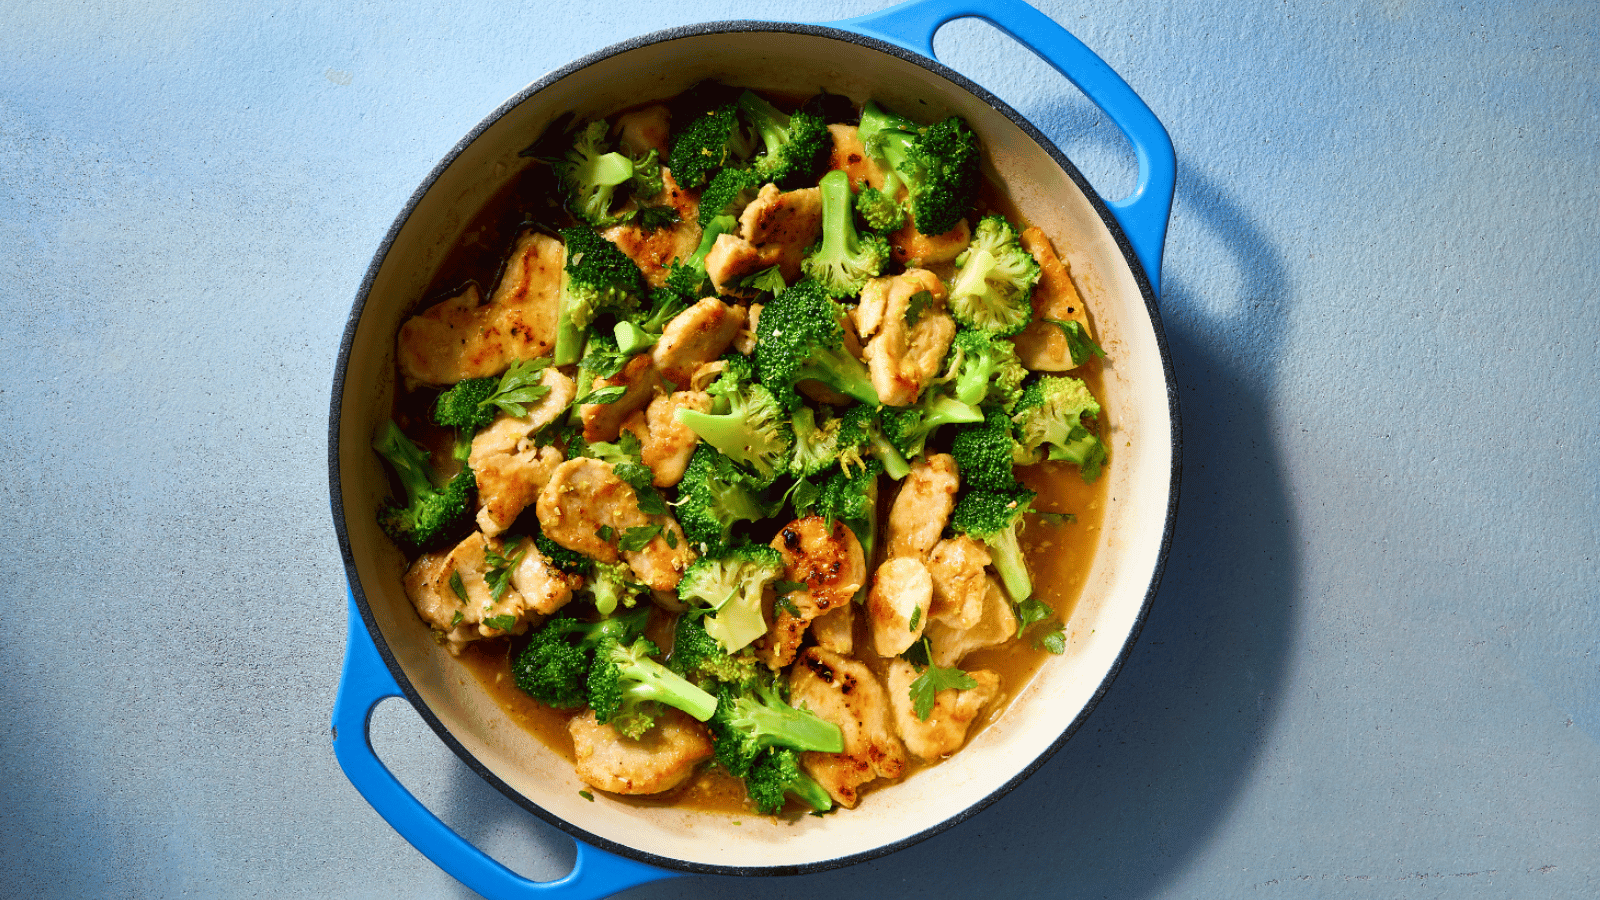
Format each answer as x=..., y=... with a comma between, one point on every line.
x=463, y=337
x=583, y=496
x=660, y=564
x=644, y=129
x=912, y=248
x=776, y=229
x=695, y=337
x=959, y=582
x=661, y=760
x=826, y=559
x=509, y=483
x=544, y=588
x=897, y=604
x=464, y=616
x=665, y=444
x=997, y=624
x=835, y=629
x=846, y=693
x=509, y=434
x=655, y=249
x=603, y=421
x=945, y=729
x=1042, y=346
x=850, y=156
x=902, y=358
x=922, y=508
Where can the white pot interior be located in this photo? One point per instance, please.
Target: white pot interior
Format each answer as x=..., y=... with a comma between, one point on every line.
x=1138, y=494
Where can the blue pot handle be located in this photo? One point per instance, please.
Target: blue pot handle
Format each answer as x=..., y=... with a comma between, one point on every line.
x=366, y=681
x=1142, y=214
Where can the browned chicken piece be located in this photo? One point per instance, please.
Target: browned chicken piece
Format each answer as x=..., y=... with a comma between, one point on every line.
x=644, y=129
x=835, y=629
x=897, y=604
x=827, y=559
x=922, y=508
x=659, y=761
x=846, y=693
x=509, y=483
x=997, y=624
x=901, y=356
x=945, y=729
x=660, y=564
x=654, y=250
x=544, y=588
x=603, y=421
x=583, y=496
x=665, y=444
x=850, y=156
x=1042, y=346
x=462, y=617
x=912, y=248
x=959, y=581
x=695, y=337
x=776, y=229
x=463, y=337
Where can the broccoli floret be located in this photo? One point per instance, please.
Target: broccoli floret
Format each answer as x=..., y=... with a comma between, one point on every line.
x=708, y=142
x=598, y=278
x=796, y=145
x=844, y=259
x=984, y=453
x=590, y=176
x=687, y=277
x=642, y=330
x=1049, y=421
x=713, y=497
x=862, y=438
x=554, y=667
x=757, y=717
x=994, y=280
x=776, y=775
x=993, y=517
x=881, y=212
x=799, y=338
x=752, y=432
x=697, y=656
x=626, y=683
x=647, y=181
x=852, y=498
x=984, y=369
x=471, y=405
x=938, y=164
x=569, y=561
x=612, y=584
x=728, y=194
x=431, y=515
x=730, y=585
x=816, y=446
x=908, y=428
x=465, y=407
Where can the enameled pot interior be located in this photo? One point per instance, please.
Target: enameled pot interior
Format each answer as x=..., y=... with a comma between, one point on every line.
x=1140, y=475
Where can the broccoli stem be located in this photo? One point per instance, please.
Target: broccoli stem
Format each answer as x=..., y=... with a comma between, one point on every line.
x=895, y=464
x=1005, y=553
x=569, y=338
x=410, y=462
x=811, y=794
x=839, y=370
x=653, y=681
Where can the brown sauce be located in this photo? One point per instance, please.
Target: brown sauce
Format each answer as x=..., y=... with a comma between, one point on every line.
x=1059, y=553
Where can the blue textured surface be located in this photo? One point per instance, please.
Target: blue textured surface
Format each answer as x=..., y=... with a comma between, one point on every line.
x=1371, y=671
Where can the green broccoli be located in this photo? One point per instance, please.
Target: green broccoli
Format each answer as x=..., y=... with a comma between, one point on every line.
x=756, y=717
x=697, y=656
x=590, y=176
x=861, y=436
x=994, y=517
x=909, y=428
x=554, y=667
x=728, y=194
x=881, y=212
x=796, y=146
x=687, y=277
x=569, y=561
x=984, y=369
x=994, y=280
x=984, y=453
x=626, y=683
x=641, y=331
x=816, y=446
x=431, y=515
x=713, y=497
x=844, y=259
x=852, y=498
x=775, y=776
x=709, y=141
x=799, y=338
x=752, y=432
x=598, y=278
x=938, y=164
x=465, y=406
x=611, y=585
x=730, y=584
x=471, y=405
x=1049, y=419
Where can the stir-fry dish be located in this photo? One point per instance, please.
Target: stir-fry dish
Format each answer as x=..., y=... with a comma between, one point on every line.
x=728, y=458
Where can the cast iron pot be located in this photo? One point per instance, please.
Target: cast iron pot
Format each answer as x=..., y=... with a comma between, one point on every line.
x=1114, y=250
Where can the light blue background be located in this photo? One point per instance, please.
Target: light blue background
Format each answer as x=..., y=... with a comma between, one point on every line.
x=1373, y=669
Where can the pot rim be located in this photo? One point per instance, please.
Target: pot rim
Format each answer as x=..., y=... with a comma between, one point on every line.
x=743, y=26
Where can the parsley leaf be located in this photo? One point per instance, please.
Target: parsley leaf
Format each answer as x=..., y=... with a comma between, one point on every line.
x=769, y=280
x=1030, y=611
x=455, y=619
x=457, y=586
x=1079, y=344
x=605, y=533
x=519, y=386
x=609, y=394
x=500, y=568
x=925, y=689
x=501, y=623
x=635, y=539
